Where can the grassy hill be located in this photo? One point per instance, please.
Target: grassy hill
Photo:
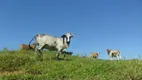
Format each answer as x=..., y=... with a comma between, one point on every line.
x=25, y=65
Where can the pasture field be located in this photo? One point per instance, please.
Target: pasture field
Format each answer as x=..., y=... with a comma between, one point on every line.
x=25, y=65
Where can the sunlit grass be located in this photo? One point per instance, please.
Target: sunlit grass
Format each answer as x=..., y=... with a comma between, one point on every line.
x=27, y=65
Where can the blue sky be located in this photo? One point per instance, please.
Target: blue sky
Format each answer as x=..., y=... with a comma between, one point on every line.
x=97, y=24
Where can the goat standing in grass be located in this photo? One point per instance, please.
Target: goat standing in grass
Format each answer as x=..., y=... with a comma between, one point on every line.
x=26, y=47
x=94, y=55
x=113, y=53
x=59, y=44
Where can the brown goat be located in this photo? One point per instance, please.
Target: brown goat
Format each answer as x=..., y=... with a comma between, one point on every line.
x=27, y=47
x=94, y=55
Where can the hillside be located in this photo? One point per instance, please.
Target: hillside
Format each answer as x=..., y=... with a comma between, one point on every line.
x=25, y=65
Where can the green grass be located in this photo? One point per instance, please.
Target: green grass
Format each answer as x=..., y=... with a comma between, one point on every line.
x=25, y=65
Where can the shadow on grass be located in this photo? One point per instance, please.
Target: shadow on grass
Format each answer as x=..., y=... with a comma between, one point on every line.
x=61, y=59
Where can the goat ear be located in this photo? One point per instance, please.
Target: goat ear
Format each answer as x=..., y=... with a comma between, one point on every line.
x=63, y=36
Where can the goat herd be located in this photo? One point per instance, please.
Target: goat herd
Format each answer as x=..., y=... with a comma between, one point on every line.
x=111, y=53
x=60, y=45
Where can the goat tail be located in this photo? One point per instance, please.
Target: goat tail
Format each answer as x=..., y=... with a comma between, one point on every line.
x=119, y=54
x=30, y=43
